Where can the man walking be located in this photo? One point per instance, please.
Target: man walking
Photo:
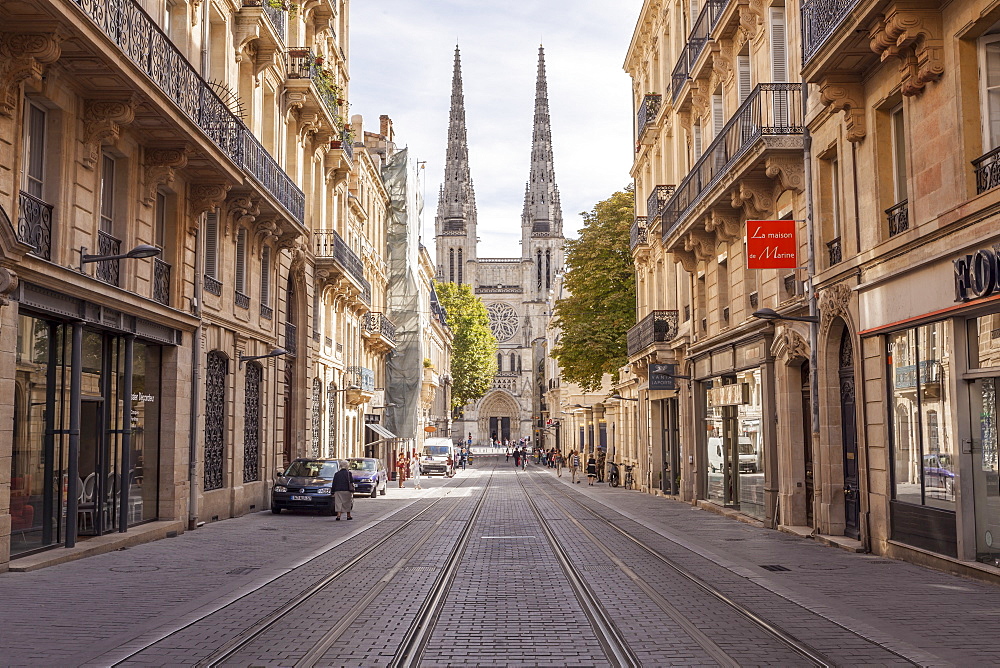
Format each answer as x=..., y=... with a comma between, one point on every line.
x=343, y=491
x=601, y=463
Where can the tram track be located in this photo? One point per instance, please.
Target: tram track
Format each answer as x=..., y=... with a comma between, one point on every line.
x=804, y=650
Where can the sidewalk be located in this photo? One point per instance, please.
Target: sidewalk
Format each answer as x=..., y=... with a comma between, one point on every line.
x=927, y=612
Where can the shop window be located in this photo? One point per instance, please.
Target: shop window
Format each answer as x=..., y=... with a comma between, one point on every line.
x=984, y=341
x=924, y=453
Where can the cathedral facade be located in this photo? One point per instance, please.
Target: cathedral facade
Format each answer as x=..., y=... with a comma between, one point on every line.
x=517, y=291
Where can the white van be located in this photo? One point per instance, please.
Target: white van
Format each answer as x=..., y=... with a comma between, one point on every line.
x=748, y=455
x=435, y=456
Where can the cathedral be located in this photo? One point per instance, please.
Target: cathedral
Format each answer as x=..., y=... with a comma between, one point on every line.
x=517, y=291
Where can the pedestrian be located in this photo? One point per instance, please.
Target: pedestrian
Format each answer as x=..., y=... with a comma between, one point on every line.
x=524, y=458
x=574, y=466
x=401, y=467
x=343, y=491
x=517, y=458
x=560, y=461
x=415, y=470
x=465, y=458
x=601, y=464
x=591, y=470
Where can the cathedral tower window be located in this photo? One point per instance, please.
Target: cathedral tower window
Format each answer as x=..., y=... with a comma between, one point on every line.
x=451, y=265
x=461, y=262
x=548, y=269
x=538, y=262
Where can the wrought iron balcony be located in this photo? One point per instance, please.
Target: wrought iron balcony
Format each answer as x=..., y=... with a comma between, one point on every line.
x=34, y=225
x=291, y=339
x=266, y=312
x=836, y=251
x=304, y=64
x=330, y=245
x=987, y=169
x=276, y=15
x=108, y=270
x=679, y=76
x=213, y=285
x=364, y=377
x=161, y=281
x=772, y=109
x=379, y=323
x=820, y=18
x=657, y=327
x=328, y=341
x=129, y=27
x=241, y=300
x=640, y=232
x=656, y=200
x=898, y=216
x=647, y=111
x=700, y=34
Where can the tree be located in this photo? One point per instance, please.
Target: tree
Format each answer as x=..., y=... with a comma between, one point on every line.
x=600, y=308
x=474, y=350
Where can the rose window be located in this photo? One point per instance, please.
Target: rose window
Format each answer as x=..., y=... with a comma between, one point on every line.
x=503, y=321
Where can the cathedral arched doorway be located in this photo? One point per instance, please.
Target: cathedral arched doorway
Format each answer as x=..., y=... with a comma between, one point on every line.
x=498, y=418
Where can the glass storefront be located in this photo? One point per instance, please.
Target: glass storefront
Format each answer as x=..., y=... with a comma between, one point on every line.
x=40, y=467
x=734, y=442
x=984, y=353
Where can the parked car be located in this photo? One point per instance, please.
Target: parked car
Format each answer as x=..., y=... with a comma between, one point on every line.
x=370, y=476
x=748, y=455
x=307, y=484
x=435, y=456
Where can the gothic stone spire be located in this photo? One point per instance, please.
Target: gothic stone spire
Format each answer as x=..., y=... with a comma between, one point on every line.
x=457, y=201
x=542, y=211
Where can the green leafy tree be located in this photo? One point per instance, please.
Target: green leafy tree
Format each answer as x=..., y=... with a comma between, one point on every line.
x=600, y=308
x=474, y=350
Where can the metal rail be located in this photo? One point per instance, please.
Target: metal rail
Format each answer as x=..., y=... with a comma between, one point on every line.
x=616, y=648
x=798, y=646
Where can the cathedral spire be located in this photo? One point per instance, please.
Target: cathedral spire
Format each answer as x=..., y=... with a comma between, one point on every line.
x=542, y=213
x=457, y=201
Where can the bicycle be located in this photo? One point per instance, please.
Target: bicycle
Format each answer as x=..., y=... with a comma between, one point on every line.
x=614, y=477
x=629, y=478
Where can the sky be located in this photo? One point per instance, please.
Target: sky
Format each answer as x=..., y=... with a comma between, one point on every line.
x=401, y=61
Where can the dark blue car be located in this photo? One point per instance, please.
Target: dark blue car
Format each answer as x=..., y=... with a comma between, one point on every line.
x=307, y=484
x=369, y=475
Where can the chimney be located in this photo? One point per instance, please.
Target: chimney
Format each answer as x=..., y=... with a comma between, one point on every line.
x=385, y=127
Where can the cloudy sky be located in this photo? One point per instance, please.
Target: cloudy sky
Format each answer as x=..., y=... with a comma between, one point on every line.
x=401, y=65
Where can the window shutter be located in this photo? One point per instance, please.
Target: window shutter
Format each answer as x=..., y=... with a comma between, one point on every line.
x=694, y=14
x=697, y=140
x=779, y=46
x=744, y=81
x=265, y=276
x=34, y=145
x=990, y=77
x=718, y=115
x=212, y=244
x=241, y=261
x=107, y=194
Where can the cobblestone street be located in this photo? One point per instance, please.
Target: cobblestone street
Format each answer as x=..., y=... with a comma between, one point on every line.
x=494, y=567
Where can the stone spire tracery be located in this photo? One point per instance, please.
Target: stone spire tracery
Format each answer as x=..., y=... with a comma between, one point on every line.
x=457, y=198
x=542, y=214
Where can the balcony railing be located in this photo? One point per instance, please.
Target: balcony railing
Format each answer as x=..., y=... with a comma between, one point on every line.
x=213, y=285
x=701, y=31
x=34, y=225
x=276, y=15
x=647, y=111
x=330, y=244
x=772, y=109
x=141, y=40
x=266, y=312
x=241, y=300
x=379, y=322
x=657, y=327
x=656, y=200
x=679, y=76
x=898, y=216
x=302, y=65
x=161, y=281
x=987, y=169
x=363, y=377
x=640, y=232
x=819, y=19
x=835, y=250
x=108, y=270
x=291, y=340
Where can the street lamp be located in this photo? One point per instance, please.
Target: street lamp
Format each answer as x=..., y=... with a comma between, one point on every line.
x=771, y=314
x=276, y=352
x=621, y=398
x=137, y=253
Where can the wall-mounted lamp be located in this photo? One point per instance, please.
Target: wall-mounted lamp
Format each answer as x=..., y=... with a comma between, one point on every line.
x=277, y=352
x=771, y=314
x=349, y=387
x=621, y=398
x=137, y=253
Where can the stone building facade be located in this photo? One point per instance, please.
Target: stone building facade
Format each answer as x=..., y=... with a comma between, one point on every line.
x=515, y=290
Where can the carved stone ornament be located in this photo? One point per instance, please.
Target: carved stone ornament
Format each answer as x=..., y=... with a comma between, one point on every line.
x=102, y=121
x=686, y=258
x=790, y=172
x=834, y=302
x=726, y=228
x=722, y=67
x=8, y=284
x=751, y=20
x=24, y=56
x=161, y=164
x=847, y=95
x=755, y=197
x=701, y=243
x=265, y=231
x=206, y=197
x=913, y=35
x=242, y=210
x=789, y=345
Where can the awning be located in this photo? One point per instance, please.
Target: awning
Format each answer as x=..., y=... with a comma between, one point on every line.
x=381, y=431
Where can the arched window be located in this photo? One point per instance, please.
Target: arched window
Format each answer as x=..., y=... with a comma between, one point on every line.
x=251, y=422
x=513, y=362
x=548, y=269
x=538, y=264
x=499, y=362
x=215, y=418
x=461, y=265
x=451, y=265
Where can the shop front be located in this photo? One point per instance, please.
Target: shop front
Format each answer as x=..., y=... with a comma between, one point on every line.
x=86, y=451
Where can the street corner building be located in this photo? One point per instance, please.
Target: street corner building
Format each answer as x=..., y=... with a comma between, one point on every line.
x=860, y=403
x=195, y=266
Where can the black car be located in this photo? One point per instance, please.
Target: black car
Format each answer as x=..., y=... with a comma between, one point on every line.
x=307, y=484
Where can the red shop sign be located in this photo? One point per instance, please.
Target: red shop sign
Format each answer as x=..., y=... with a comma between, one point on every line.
x=771, y=244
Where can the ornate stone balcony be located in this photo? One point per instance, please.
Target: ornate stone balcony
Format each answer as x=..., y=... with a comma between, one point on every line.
x=380, y=331
x=640, y=232
x=305, y=66
x=699, y=37
x=340, y=266
x=898, y=217
x=34, y=225
x=647, y=112
x=820, y=18
x=656, y=327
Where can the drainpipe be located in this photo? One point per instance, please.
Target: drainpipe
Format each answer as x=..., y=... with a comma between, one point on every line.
x=195, y=385
x=811, y=295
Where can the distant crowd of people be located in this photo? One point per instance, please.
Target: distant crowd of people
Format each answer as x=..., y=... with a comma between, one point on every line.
x=554, y=458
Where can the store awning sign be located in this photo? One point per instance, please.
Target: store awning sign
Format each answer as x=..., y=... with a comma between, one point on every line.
x=771, y=244
x=736, y=394
x=661, y=377
x=977, y=275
